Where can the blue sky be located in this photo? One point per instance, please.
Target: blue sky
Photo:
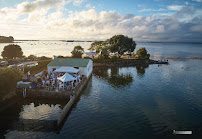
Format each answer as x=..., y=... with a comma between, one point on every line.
x=144, y=20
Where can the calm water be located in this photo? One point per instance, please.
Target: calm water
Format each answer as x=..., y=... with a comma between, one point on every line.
x=157, y=50
x=126, y=102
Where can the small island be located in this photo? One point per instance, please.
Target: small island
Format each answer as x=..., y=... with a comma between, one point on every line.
x=4, y=39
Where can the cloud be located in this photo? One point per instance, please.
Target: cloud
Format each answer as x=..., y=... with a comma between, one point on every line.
x=89, y=6
x=27, y=7
x=104, y=24
x=197, y=28
x=175, y=7
x=152, y=10
x=182, y=25
x=78, y=2
x=197, y=0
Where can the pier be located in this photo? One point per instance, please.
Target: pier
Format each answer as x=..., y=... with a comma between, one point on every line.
x=70, y=96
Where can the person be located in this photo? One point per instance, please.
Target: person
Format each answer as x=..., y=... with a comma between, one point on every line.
x=47, y=82
x=43, y=82
x=28, y=74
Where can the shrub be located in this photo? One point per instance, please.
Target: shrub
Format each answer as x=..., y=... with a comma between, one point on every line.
x=99, y=59
x=86, y=57
x=114, y=59
x=9, y=79
x=142, y=54
x=41, y=66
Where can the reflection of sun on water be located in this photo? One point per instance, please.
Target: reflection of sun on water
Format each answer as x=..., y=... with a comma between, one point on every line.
x=43, y=111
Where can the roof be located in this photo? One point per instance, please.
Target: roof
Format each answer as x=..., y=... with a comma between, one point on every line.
x=67, y=69
x=66, y=77
x=69, y=62
x=91, y=53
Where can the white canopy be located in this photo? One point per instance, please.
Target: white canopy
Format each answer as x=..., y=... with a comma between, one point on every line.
x=66, y=77
x=67, y=69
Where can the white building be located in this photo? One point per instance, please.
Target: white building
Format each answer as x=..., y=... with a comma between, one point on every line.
x=84, y=65
x=91, y=54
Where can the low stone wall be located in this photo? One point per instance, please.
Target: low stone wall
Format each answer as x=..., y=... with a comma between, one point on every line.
x=44, y=93
x=68, y=106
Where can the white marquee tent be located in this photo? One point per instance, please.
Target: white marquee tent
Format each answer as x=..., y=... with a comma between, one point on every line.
x=67, y=69
x=66, y=77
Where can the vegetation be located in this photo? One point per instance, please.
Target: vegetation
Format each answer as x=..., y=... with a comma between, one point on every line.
x=8, y=80
x=12, y=51
x=94, y=45
x=77, y=52
x=44, y=58
x=42, y=65
x=32, y=57
x=120, y=44
x=114, y=59
x=142, y=54
x=4, y=39
x=99, y=59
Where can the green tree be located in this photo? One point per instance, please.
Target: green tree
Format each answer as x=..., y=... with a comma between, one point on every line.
x=120, y=44
x=12, y=51
x=94, y=45
x=32, y=57
x=77, y=52
x=8, y=80
x=142, y=54
x=104, y=49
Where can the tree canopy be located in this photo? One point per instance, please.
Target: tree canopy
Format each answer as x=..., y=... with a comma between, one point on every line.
x=77, y=52
x=142, y=53
x=120, y=44
x=32, y=57
x=12, y=51
x=94, y=45
x=116, y=44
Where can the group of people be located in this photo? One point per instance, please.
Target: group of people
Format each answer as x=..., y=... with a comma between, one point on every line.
x=51, y=81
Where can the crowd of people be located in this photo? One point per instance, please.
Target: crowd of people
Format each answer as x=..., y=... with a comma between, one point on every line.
x=51, y=81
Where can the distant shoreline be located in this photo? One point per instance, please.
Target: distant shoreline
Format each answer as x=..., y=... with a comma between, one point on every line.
x=97, y=40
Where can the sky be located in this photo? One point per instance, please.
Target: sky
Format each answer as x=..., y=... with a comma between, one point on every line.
x=143, y=20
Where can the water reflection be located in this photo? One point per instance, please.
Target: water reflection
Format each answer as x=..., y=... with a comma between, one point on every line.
x=141, y=69
x=113, y=76
x=46, y=111
x=117, y=78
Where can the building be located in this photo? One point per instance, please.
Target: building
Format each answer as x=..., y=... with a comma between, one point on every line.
x=84, y=65
x=91, y=54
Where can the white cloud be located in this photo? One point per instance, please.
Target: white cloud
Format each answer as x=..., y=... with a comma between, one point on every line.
x=27, y=7
x=89, y=6
x=175, y=7
x=160, y=29
x=91, y=25
x=78, y=2
x=197, y=0
x=152, y=10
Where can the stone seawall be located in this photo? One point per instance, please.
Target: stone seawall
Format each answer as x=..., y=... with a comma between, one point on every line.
x=69, y=105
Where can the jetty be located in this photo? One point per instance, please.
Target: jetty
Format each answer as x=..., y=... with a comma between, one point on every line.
x=64, y=80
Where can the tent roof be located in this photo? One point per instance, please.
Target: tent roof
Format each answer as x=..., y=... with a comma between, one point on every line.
x=67, y=69
x=69, y=62
x=66, y=77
